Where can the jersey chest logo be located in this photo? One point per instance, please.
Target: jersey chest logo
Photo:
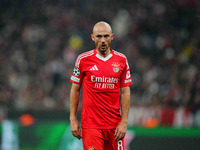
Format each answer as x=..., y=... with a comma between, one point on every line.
x=115, y=67
x=91, y=148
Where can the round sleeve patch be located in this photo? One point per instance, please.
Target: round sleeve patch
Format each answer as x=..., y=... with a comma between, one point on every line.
x=76, y=72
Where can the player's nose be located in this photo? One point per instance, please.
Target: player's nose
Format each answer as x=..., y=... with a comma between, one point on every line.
x=103, y=40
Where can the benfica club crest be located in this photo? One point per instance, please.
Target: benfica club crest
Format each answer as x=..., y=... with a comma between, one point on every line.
x=115, y=67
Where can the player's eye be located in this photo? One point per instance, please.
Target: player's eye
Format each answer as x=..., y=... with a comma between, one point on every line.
x=99, y=36
x=106, y=36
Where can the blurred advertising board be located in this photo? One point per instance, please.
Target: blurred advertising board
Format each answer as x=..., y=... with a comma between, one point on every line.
x=56, y=135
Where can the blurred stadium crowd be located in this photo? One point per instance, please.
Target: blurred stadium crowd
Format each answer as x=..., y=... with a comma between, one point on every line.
x=40, y=40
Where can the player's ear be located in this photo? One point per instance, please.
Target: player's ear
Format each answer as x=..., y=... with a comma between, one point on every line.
x=112, y=36
x=92, y=37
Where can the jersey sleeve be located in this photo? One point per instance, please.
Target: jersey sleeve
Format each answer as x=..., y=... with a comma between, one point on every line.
x=126, y=76
x=76, y=76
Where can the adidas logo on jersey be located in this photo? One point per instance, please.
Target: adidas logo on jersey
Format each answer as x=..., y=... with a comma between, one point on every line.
x=94, y=68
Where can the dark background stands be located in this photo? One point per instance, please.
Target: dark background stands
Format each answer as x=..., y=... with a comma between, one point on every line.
x=40, y=40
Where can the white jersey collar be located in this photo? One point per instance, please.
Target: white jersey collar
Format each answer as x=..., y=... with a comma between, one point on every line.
x=104, y=58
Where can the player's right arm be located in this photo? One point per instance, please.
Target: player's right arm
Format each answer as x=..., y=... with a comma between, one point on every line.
x=74, y=101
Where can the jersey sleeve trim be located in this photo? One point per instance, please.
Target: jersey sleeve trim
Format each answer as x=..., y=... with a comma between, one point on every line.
x=81, y=56
x=122, y=55
x=119, y=54
x=75, y=79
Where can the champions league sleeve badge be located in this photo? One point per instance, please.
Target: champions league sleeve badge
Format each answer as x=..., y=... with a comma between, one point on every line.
x=115, y=67
x=76, y=72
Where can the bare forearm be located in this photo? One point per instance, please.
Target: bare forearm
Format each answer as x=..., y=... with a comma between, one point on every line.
x=74, y=101
x=125, y=104
x=120, y=131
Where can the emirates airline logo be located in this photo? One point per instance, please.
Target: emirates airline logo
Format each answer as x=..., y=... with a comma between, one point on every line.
x=115, y=67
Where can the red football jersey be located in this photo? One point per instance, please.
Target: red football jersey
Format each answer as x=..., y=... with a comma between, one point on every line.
x=101, y=79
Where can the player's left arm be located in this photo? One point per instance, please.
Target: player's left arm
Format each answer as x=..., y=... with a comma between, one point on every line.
x=125, y=105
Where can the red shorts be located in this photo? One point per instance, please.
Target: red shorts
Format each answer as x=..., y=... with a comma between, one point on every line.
x=100, y=139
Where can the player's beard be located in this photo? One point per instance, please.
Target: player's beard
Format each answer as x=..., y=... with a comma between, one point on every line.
x=103, y=47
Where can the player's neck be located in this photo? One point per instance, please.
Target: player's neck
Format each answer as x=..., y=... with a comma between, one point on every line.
x=104, y=53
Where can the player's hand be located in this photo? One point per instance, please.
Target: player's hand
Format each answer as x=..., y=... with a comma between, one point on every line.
x=75, y=129
x=120, y=131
